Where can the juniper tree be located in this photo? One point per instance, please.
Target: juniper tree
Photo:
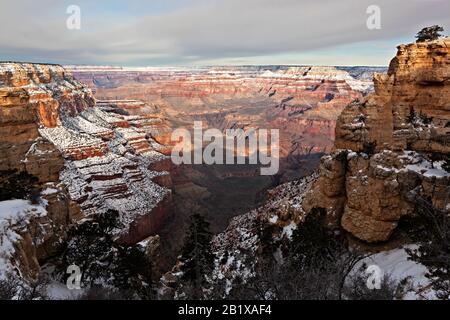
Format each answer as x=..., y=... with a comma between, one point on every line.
x=429, y=33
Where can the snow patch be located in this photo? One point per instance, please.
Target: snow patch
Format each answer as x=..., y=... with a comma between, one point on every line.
x=14, y=213
x=289, y=230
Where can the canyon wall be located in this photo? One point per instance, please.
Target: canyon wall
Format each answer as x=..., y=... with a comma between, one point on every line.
x=87, y=158
x=303, y=102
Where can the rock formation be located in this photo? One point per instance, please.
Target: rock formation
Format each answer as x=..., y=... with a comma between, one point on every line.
x=391, y=147
x=87, y=157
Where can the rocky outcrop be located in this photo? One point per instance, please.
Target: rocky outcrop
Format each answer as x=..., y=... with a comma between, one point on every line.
x=87, y=158
x=108, y=155
x=391, y=147
x=29, y=96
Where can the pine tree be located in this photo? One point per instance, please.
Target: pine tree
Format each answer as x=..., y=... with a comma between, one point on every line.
x=268, y=244
x=322, y=255
x=313, y=244
x=196, y=255
x=91, y=246
x=412, y=117
x=133, y=271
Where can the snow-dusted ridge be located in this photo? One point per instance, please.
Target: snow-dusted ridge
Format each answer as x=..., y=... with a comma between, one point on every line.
x=107, y=166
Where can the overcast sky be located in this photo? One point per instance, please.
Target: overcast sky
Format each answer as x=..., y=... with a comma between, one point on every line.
x=213, y=32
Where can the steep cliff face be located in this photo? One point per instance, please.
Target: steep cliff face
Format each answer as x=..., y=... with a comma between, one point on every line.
x=29, y=96
x=87, y=158
x=391, y=147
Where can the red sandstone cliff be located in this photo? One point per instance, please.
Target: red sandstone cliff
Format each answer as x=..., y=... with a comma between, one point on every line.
x=87, y=157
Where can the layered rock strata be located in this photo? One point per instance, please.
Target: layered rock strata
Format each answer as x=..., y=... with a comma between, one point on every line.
x=303, y=102
x=87, y=158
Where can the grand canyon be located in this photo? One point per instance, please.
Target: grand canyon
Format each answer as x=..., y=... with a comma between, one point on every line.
x=302, y=102
x=107, y=141
x=93, y=205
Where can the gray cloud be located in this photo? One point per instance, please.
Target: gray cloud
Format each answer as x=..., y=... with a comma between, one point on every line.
x=204, y=30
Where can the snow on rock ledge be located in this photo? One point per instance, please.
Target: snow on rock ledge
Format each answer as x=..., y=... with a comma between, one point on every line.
x=101, y=153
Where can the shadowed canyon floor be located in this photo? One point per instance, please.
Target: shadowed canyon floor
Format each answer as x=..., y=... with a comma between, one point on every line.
x=219, y=192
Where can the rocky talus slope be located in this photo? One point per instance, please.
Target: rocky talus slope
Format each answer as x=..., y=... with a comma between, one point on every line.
x=88, y=157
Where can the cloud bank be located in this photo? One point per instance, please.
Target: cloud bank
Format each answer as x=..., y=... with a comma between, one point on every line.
x=203, y=32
